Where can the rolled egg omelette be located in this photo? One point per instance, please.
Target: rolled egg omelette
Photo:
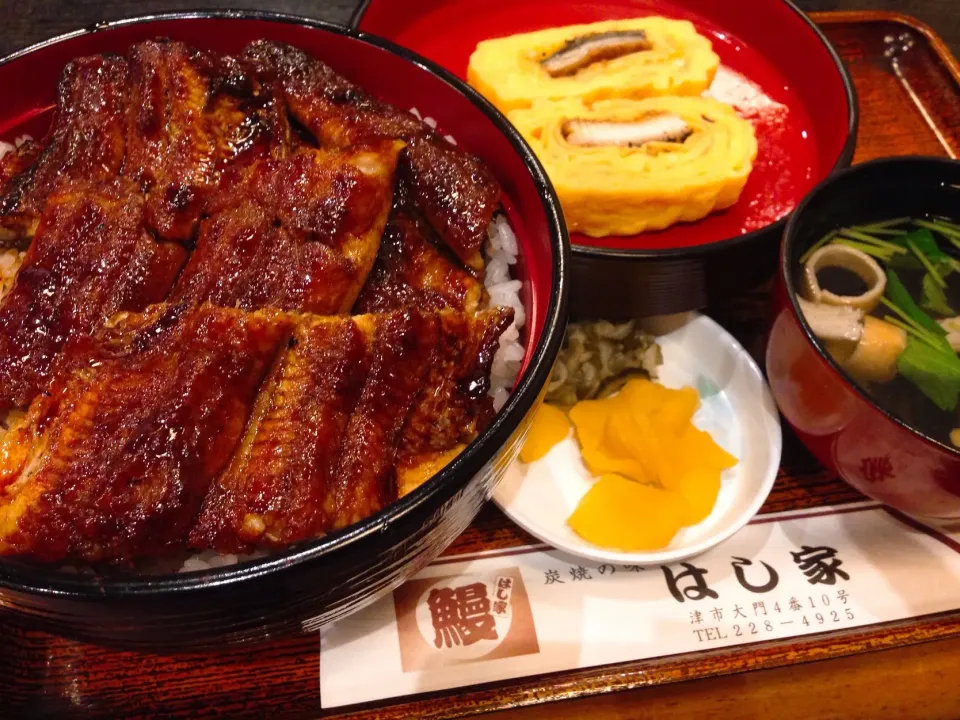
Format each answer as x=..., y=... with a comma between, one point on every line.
x=623, y=167
x=636, y=58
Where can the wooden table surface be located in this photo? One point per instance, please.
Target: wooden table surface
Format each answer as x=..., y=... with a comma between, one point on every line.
x=918, y=680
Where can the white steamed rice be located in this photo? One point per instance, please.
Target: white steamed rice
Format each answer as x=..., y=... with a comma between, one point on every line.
x=500, y=252
x=431, y=123
x=211, y=559
x=6, y=147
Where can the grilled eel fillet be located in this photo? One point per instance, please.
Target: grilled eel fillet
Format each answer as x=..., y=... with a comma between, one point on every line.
x=86, y=140
x=350, y=400
x=82, y=195
x=158, y=439
x=249, y=121
x=168, y=117
x=412, y=271
x=300, y=233
x=115, y=461
x=91, y=257
x=181, y=133
x=456, y=192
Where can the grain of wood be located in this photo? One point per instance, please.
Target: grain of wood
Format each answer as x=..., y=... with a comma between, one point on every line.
x=924, y=687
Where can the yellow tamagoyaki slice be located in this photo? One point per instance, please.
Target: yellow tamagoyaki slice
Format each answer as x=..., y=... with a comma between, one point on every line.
x=635, y=58
x=623, y=167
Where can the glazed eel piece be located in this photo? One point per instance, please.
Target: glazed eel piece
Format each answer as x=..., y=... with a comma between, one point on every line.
x=232, y=430
x=456, y=192
x=87, y=140
x=298, y=233
x=192, y=115
x=166, y=116
x=167, y=122
x=356, y=413
x=91, y=257
x=413, y=270
x=113, y=462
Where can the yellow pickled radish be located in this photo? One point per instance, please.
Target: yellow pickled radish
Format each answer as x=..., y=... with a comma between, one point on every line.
x=599, y=462
x=599, y=425
x=589, y=418
x=631, y=437
x=645, y=435
x=702, y=450
x=699, y=488
x=550, y=426
x=676, y=413
x=625, y=515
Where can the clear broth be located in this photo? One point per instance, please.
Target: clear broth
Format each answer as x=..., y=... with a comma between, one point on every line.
x=900, y=397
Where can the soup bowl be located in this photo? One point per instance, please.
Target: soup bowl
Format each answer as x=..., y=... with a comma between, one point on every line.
x=869, y=446
x=319, y=580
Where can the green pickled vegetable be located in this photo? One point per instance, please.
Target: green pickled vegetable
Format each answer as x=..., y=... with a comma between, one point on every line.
x=596, y=356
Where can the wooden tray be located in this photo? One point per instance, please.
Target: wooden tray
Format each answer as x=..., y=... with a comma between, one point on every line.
x=909, y=93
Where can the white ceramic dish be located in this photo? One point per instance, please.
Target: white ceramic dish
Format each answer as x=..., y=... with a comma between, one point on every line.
x=736, y=409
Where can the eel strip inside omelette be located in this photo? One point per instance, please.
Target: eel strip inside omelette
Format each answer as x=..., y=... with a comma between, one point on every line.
x=515, y=72
x=623, y=167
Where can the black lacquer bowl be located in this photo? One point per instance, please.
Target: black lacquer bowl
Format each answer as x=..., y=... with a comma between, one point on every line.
x=318, y=581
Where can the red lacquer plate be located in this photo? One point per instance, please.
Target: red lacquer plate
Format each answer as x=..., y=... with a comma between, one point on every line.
x=776, y=68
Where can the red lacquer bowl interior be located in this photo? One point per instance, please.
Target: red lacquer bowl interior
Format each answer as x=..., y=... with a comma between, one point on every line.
x=871, y=447
x=793, y=87
x=403, y=82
